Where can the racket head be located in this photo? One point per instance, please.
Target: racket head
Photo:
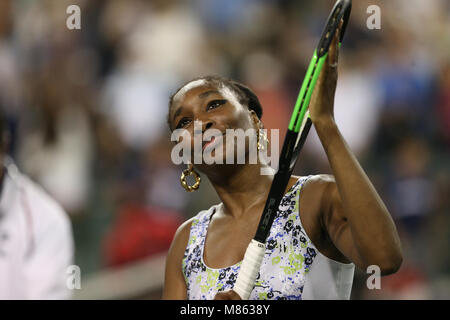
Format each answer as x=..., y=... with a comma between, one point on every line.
x=341, y=10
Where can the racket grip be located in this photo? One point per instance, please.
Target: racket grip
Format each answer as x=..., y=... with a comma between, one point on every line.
x=249, y=269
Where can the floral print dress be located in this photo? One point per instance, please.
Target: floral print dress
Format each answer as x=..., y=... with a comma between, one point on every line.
x=288, y=258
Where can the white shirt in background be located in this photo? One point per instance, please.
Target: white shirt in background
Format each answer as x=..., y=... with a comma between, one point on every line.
x=36, y=244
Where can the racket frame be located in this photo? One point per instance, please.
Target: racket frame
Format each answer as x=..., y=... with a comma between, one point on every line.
x=298, y=129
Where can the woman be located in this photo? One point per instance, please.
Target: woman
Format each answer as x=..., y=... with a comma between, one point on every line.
x=311, y=251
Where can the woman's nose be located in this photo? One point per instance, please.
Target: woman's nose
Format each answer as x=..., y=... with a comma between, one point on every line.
x=201, y=126
x=207, y=125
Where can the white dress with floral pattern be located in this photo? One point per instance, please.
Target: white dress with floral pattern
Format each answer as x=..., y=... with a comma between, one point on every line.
x=287, y=267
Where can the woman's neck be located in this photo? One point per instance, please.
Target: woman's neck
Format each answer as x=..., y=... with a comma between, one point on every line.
x=241, y=187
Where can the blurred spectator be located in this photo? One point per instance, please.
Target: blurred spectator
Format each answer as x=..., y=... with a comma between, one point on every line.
x=264, y=74
x=36, y=244
x=410, y=196
x=139, y=232
x=443, y=104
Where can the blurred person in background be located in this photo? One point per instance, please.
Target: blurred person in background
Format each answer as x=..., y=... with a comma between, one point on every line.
x=36, y=245
x=143, y=227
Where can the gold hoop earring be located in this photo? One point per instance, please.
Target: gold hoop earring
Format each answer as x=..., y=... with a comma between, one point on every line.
x=262, y=146
x=186, y=173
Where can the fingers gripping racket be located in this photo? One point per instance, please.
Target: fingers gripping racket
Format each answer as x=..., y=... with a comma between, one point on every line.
x=298, y=130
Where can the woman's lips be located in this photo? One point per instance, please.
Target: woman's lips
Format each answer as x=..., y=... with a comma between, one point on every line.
x=212, y=142
x=208, y=143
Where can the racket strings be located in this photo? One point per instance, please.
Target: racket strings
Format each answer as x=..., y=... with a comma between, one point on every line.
x=331, y=28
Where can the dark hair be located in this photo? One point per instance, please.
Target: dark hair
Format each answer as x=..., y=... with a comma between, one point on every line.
x=245, y=95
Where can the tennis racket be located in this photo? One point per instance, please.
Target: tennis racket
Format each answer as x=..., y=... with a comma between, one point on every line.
x=298, y=130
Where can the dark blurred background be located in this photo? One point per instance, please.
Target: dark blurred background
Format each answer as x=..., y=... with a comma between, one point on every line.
x=86, y=109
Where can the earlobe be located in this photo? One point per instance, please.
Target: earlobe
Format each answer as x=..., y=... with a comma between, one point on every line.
x=256, y=119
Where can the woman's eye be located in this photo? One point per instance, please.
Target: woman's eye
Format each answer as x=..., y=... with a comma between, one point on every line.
x=183, y=122
x=214, y=104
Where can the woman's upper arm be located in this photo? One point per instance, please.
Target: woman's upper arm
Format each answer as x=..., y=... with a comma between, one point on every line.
x=336, y=225
x=325, y=225
x=174, y=283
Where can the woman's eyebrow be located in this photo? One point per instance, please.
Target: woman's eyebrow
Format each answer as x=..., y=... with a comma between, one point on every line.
x=201, y=95
x=207, y=93
x=179, y=110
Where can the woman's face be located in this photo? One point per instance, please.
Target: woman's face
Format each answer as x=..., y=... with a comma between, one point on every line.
x=215, y=108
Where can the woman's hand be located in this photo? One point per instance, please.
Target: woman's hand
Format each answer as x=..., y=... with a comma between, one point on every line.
x=322, y=100
x=227, y=295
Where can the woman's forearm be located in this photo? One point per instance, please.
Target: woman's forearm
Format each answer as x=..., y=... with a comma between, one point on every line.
x=372, y=227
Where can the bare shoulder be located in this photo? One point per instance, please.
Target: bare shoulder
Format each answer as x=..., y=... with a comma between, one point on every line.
x=321, y=189
x=174, y=284
x=181, y=237
x=321, y=185
x=321, y=180
x=176, y=251
x=317, y=184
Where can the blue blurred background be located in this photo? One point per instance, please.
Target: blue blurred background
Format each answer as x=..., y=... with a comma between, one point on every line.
x=86, y=109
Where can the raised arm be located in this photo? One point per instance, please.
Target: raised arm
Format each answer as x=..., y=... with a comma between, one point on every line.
x=353, y=214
